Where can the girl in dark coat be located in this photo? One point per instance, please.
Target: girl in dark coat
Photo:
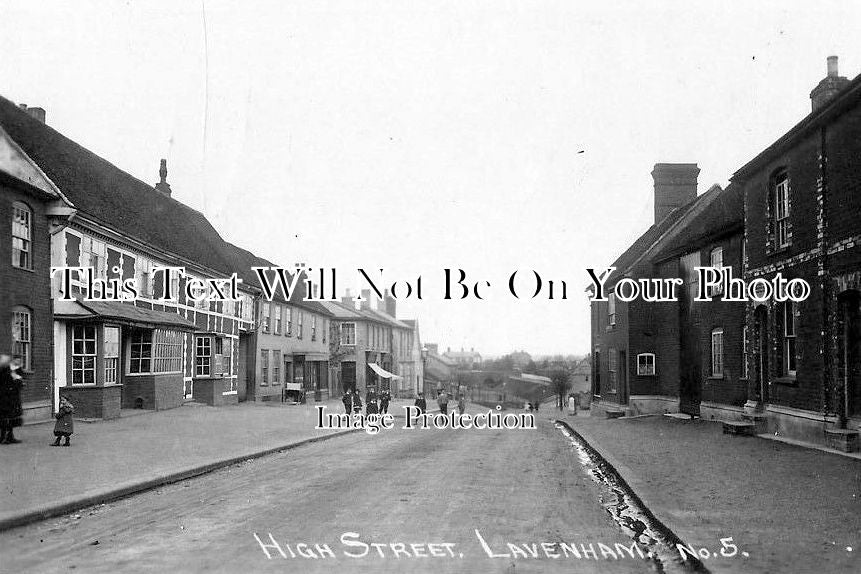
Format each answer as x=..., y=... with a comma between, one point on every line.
x=421, y=403
x=65, y=425
x=11, y=409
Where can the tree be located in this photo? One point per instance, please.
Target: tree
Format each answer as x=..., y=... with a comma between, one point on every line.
x=560, y=383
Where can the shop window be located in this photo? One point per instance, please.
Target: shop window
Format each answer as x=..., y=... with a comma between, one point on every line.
x=84, y=355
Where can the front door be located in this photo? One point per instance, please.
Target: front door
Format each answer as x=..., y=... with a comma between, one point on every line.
x=761, y=354
x=850, y=359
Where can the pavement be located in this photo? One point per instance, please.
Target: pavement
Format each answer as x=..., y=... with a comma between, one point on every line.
x=791, y=509
x=142, y=450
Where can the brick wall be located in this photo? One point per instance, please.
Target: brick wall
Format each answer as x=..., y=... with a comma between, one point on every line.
x=28, y=288
x=158, y=392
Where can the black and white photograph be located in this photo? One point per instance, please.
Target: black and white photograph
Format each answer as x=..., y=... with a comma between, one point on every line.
x=409, y=286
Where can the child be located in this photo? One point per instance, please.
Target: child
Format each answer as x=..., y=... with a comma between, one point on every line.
x=64, y=425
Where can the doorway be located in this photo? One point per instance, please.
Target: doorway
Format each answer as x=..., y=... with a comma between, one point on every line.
x=849, y=356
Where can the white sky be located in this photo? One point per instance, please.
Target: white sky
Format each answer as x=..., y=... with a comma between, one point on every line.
x=416, y=136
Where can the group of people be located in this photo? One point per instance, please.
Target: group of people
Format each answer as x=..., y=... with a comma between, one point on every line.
x=12, y=409
x=442, y=400
x=375, y=404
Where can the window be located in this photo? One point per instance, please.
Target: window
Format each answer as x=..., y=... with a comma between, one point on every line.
x=264, y=317
x=611, y=308
x=276, y=367
x=789, y=366
x=141, y=352
x=287, y=373
x=781, y=209
x=325, y=328
x=716, y=262
x=277, y=319
x=348, y=333
x=203, y=357
x=646, y=364
x=300, y=325
x=21, y=336
x=264, y=366
x=22, y=236
x=84, y=355
x=717, y=353
x=94, y=254
x=112, y=354
x=611, y=369
x=313, y=327
x=744, y=356
x=223, y=356
x=167, y=351
x=289, y=321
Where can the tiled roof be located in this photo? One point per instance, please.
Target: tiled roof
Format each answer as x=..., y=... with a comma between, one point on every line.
x=723, y=215
x=111, y=196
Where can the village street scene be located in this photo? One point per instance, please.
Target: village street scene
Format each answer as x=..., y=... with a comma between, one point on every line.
x=376, y=287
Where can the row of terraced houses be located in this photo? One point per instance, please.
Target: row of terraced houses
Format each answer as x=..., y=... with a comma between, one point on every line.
x=64, y=206
x=791, y=370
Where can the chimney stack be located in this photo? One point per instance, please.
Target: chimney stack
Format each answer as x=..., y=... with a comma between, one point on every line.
x=37, y=113
x=391, y=304
x=675, y=186
x=829, y=87
x=162, y=185
x=347, y=300
x=365, y=304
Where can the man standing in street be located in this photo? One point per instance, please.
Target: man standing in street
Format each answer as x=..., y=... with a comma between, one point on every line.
x=421, y=403
x=442, y=401
x=347, y=399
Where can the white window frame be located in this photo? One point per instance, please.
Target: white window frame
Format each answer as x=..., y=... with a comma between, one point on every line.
x=203, y=356
x=612, y=366
x=22, y=335
x=348, y=333
x=277, y=326
x=745, y=369
x=22, y=236
x=717, y=353
x=643, y=365
x=111, y=357
x=716, y=262
x=264, y=367
x=265, y=309
x=313, y=327
x=276, y=367
x=781, y=210
x=611, y=309
x=144, y=345
x=789, y=339
x=86, y=354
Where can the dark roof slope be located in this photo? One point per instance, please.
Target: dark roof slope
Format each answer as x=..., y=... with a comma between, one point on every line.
x=724, y=215
x=111, y=196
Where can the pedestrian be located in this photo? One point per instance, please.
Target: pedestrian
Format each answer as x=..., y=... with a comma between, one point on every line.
x=572, y=405
x=347, y=399
x=535, y=406
x=65, y=425
x=442, y=401
x=385, y=397
x=421, y=403
x=11, y=409
x=461, y=404
x=357, y=402
x=371, y=399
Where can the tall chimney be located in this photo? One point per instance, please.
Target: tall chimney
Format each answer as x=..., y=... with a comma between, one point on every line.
x=675, y=186
x=391, y=304
x=163, y=186
x=829, y=86
x=365, y=304
x=347, y=300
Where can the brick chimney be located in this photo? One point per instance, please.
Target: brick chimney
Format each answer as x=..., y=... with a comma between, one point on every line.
x=38, y=113
x=163, y=186
x=391, y=304
x=365, y=303
x=347, y=300
x=675, y=186
x=829, y=86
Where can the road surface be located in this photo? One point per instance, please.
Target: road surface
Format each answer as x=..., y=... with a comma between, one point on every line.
x=400, y=501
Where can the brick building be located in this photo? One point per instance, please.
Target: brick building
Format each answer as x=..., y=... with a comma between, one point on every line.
x=150, y=354
x=802, y=207
x=671, y=356
x=31, y=206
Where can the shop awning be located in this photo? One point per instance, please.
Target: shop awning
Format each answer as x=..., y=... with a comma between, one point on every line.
x=383, y=373
x=122, y=313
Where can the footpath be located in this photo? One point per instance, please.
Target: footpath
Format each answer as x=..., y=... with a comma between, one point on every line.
x=791, y=509
x=143, y=450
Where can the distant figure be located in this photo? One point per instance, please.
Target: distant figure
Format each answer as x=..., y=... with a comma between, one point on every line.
x=461, y=405
x=535, y=405
x=385, y=397
x=442, y=401
x=371, y=399
x=572, y=406
x=421, y=403
x=357, y=402
x=65, y=425
x=527, y=406
x=11, y=409
x=347, y=399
